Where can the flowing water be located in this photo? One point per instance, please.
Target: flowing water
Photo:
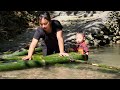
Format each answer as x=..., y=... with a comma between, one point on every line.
x=109, y=55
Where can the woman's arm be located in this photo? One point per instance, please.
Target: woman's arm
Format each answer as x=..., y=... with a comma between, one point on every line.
x=61, y=43
x=31, y=49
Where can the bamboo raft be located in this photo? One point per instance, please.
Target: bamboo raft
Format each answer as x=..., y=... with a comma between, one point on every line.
x=14, y=61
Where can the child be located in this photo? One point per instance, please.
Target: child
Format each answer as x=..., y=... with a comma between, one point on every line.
x=81, y=46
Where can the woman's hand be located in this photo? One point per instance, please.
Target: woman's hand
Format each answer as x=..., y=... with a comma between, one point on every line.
x=31, y=49
x=27, y=58
x=63, y=54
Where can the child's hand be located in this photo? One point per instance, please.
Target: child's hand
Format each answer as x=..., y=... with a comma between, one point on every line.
x=80, y=50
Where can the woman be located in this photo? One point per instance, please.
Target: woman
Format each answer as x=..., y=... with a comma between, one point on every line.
x=51, y=33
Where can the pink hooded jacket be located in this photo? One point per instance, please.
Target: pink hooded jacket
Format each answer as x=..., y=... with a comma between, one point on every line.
x=83, y=46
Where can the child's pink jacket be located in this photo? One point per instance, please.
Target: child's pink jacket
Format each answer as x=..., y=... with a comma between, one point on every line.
x=82, y=45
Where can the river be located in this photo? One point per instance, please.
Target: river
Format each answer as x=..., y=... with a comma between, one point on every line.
x=109, y=55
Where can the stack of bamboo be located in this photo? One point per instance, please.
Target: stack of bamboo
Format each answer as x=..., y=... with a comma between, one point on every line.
x=14, y=61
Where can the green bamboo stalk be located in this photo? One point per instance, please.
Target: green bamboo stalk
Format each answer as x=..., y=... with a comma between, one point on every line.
x=21, y=53
x=16, y=63
x=20, y=65
x=105, y=66
x=39, y=61
x=58, y=59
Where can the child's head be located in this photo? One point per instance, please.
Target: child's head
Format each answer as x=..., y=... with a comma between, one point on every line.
x=80, y=37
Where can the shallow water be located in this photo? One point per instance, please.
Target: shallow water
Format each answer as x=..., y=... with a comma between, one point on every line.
x=109, y=55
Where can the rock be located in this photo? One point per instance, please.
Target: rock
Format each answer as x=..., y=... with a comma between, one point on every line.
x=118, y=41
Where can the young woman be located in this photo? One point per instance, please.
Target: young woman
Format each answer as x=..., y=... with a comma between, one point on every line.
x=52, y=39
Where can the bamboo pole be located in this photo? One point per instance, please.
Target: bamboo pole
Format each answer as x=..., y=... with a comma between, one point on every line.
x=19, y=53
x=39, y=61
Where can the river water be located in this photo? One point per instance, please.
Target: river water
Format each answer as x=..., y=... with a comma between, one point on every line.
x=109, y=55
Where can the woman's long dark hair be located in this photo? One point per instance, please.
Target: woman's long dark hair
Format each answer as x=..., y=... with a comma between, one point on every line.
x=45, y=15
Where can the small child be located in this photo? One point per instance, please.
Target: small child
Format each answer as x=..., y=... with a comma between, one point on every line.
x=81, y=46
